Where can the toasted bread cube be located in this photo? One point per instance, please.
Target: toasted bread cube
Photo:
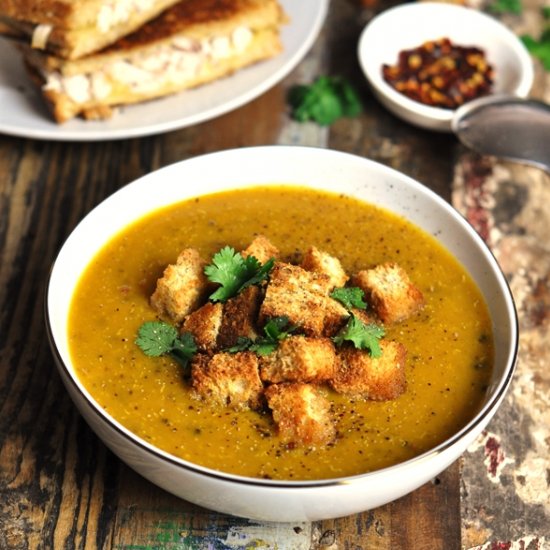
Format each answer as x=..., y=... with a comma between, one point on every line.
x=182, y=287
x=362, y=376
x=227, y=379
x=390, y=292
x=299, y=359
x=302, y=296
x=204, y=324
x=262, y=249
x=322, y=262
x=301, y=413
x=240, y=316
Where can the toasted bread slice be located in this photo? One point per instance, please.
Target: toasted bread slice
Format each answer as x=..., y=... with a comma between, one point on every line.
x=72, y=29
x=194, y=42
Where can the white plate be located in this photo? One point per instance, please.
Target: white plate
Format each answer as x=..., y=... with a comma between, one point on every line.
x=23, y=113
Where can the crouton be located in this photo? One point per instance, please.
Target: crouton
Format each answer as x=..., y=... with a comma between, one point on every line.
x=240, y=316
x=299, y=359
x=204, y=324
x=262, y=249
x=390, y=292
x=303, y=297
x=227, y=379
x=301, y=413
x=322, y=262
x=362, y=376
x=182, y=287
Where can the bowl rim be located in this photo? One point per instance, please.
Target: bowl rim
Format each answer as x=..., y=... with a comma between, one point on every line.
x=431, y=114
x=486, y=410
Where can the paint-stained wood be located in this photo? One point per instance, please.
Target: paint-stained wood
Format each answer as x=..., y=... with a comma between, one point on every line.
x=61, y=488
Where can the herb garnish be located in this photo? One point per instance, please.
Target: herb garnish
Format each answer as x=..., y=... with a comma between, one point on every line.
x=362, y=336
x=156, y=338
x=234, y=273
x=539, y=48
x=276, y=329
x=506, y=6
x=349, y=297
x=326, y=100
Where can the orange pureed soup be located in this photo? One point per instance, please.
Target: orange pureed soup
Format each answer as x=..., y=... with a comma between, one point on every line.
x=449, y=343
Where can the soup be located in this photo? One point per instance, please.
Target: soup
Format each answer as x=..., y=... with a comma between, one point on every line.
x=449, y=343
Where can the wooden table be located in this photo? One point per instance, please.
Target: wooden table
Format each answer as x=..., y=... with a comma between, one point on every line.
x=61, y=488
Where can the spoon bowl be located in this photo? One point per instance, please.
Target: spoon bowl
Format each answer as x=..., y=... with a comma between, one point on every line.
x=507, y=127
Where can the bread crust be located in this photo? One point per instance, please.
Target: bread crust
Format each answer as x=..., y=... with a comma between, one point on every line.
x=379, y=379
x=301, y=413
x=76, y=27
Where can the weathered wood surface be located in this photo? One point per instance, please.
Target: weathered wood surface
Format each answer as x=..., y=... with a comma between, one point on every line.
x=61, y=488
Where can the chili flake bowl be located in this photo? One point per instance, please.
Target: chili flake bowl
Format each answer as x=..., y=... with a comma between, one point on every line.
x=317, y=169
x=408, y=26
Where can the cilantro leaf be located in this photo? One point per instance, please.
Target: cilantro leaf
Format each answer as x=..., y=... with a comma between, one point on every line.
x=362, y=336
x=539, y=48
x=234, y=273
x=242, y=344
x=324, y=101
x=349, y=297
x=275, y=330
x=506, y=6
x=156, y=338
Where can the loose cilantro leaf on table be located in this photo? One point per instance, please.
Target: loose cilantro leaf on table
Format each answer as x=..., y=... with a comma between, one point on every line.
x=275, y=330
x=234, y=273
x=156, y=338
x=506, y=6
x=324, y=101
x=539, y=48
x=362, y=336
x=349, y=297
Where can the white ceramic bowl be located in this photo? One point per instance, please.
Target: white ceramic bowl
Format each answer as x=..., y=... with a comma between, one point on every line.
x=410, y=25
x=317, y=168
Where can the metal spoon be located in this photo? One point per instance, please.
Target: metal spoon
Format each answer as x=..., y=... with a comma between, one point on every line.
x=508, y=127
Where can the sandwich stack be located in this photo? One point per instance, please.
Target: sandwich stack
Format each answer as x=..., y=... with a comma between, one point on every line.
x=90, y=56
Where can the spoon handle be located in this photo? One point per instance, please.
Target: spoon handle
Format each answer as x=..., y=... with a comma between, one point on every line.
x=507, y=127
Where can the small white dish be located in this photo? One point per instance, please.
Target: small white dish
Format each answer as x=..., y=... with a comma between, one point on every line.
x=410, y=25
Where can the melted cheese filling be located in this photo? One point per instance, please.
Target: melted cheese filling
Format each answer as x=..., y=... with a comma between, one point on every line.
x=176, y=62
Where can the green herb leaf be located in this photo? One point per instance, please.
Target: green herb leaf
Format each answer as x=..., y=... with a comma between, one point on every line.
x=234, y=273
x=546, y=12
x=349, y=297
x=324, y=101
x=506, y=6
x=539, y=48
x=362, y=336
x=243, y=343
x=156, y=338
x=275, y=330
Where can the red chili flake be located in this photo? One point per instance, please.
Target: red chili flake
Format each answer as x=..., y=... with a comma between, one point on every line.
x=441, y=74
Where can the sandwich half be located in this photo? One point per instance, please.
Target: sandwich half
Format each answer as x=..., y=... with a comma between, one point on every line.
x=191, y=43
x=74, y=28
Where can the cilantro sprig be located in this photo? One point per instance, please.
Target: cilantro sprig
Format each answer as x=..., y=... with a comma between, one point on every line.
x=324, y=101
x=234, y=273
x=156, y=338
x=275, y=330
x=363, y=336
x=350, y=297
x=540, y=48
x=506, y=6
